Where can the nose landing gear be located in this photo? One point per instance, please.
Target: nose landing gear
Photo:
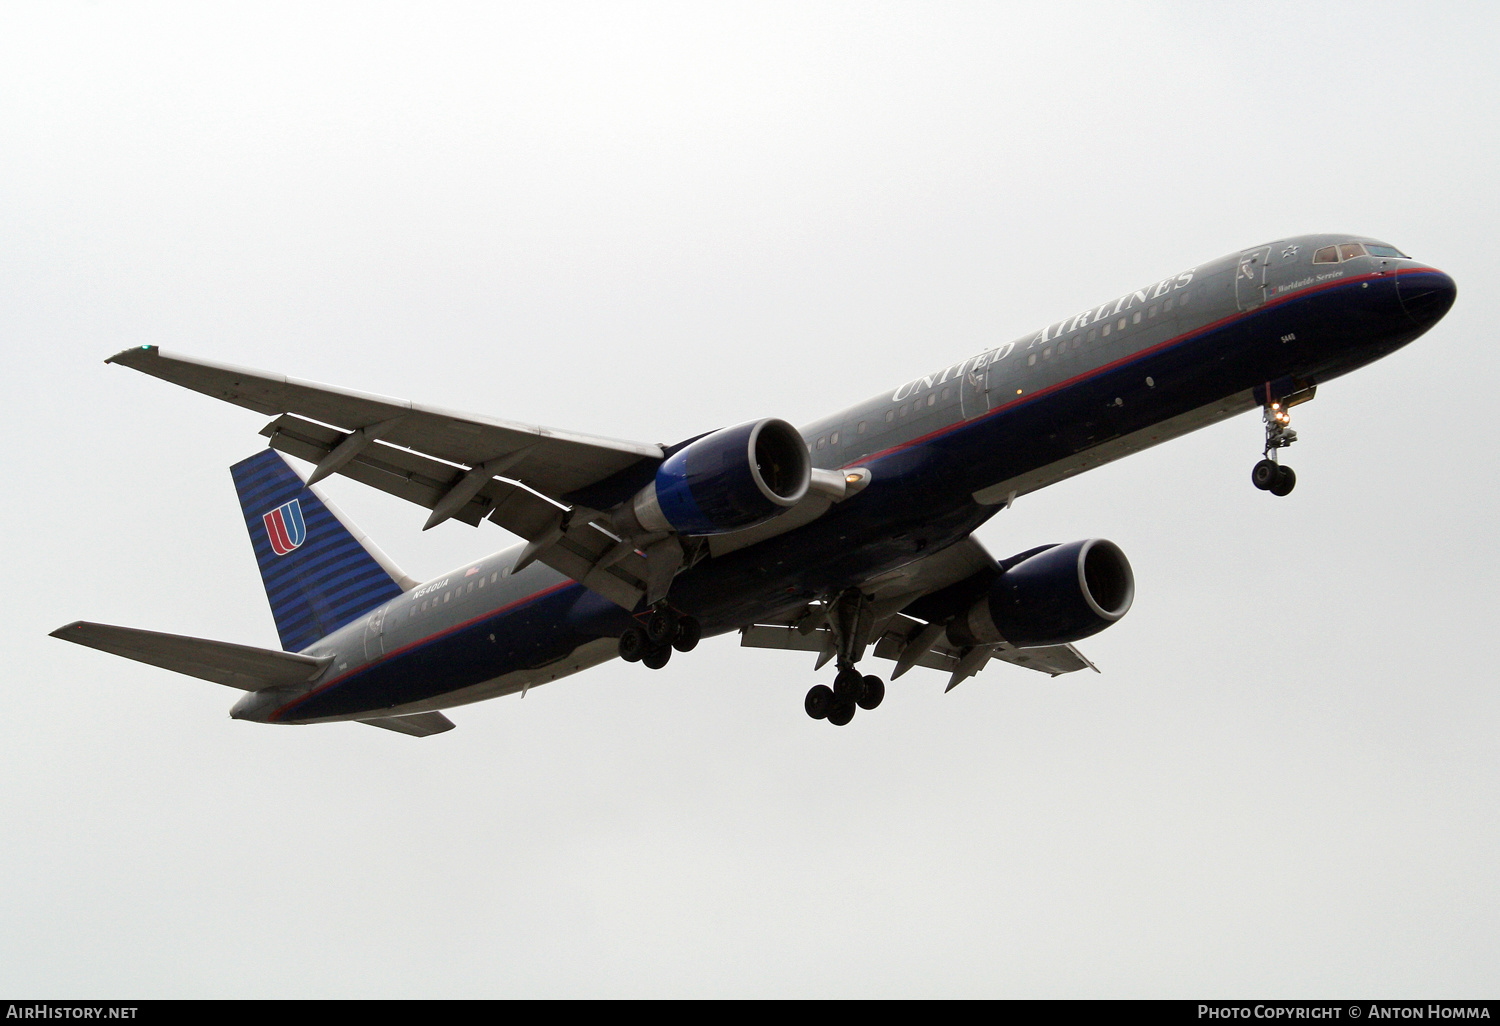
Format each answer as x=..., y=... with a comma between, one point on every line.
x=1269, y=475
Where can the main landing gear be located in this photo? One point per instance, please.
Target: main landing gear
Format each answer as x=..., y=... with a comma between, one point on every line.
x=849, y=621
x=653, y=643
x=1269, y=475
x=850, y=689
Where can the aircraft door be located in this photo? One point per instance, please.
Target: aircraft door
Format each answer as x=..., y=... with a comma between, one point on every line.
x=1250, y=278
x=375, y=634
x=974, y=386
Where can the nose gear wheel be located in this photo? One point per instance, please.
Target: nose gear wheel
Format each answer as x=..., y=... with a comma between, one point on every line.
x=1269, y=475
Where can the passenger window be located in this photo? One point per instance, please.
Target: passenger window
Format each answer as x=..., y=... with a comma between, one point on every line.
x=1152, y=312
x=1326, y=255
x=1047, y=353
x=1031, y=360
x=833, y=439
x=1107, y=329
x=1137, y=317
x=481, y=582
x=903, y=409
x=820, y=442
x=493, y=576
x=931, y=400
x=446, y=596
x=1093, y=334
x=861, y=427
x=1185, y=297
x=1350, y=250
x=1168, y=304
x=947, y=391
x=1121, y=325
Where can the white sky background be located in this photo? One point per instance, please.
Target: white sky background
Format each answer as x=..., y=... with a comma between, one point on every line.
x=650, y=221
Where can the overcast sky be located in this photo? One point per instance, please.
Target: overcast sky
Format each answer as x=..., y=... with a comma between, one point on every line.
x=647, y=221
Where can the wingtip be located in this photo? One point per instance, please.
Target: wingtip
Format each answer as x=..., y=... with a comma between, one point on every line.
x=120, y=357
x=65, y=629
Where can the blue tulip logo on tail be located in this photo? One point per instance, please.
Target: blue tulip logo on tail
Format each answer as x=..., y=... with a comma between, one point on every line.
x=285, y=527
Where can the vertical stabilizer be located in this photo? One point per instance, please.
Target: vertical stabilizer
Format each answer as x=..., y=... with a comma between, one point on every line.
x=320, y=573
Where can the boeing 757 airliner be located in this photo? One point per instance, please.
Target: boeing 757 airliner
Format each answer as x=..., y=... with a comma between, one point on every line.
x=849, y=537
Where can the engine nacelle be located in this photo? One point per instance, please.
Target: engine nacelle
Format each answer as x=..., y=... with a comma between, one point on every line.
x=1062, y=594
x=732, y=479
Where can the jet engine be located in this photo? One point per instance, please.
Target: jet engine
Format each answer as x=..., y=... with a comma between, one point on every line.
x=731, y=479
x=1051, y=596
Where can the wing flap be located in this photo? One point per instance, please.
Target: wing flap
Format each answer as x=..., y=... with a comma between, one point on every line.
x=1050, y=659
x=783, y=637
x=238, y=666
x=576, y=549
x=941, y=655
x=407, y=475
x=416, y=725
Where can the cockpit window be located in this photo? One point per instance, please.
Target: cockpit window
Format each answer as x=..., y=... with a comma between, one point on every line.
x=1387, y=251
x=1350, y=250
x=1326, y=255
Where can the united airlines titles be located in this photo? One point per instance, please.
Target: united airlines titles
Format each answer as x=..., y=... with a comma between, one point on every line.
x=1103, y=312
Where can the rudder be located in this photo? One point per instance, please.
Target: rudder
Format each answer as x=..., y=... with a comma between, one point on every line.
x=318, y=572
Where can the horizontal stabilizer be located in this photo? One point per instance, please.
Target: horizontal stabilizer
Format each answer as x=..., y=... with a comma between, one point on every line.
x=239, y=666
x=419, y=725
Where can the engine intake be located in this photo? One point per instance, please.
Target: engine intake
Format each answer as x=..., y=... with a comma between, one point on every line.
x=1061, y=594
x=726, y=481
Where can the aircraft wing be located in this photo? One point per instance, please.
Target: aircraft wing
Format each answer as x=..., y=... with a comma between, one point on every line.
x=904, y=639
x=535, y=482
x=555, y=463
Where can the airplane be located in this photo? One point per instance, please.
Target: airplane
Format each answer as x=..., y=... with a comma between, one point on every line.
x=852, y=536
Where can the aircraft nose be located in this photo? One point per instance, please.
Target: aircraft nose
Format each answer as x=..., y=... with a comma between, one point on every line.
x=1426, y=295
